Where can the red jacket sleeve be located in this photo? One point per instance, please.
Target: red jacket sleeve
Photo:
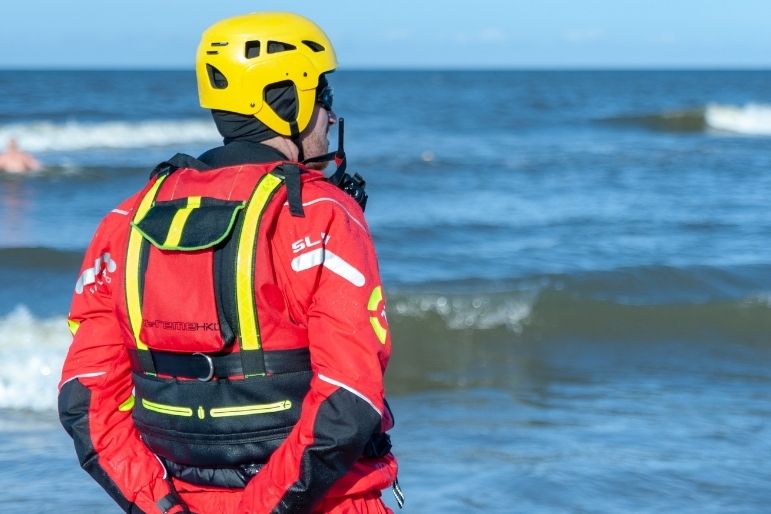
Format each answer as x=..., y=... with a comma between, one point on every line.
x=327, y=264
x=95, y=392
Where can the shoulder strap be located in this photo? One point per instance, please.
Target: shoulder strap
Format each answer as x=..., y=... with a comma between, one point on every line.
x=247, y=239
x=136, y=260
x=290, y=173
x=176, y=162
x=248, y=321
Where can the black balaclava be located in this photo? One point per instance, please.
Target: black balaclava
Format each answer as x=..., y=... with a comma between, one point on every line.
x=281, y=97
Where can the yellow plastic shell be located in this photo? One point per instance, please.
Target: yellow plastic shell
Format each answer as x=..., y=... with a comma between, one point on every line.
x=224, y=45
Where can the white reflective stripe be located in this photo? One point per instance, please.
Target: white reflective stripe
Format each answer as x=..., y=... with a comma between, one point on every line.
x=83, y=375
x=326, y=199
x=119, y=211
x=308, y=260
x=165, y=473
x=350, y=390
x=332, y=262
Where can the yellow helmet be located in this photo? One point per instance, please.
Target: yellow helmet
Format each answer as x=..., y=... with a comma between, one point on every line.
x=240, y=58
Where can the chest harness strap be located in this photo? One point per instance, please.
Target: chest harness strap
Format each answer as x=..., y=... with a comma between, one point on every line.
x=248, y=328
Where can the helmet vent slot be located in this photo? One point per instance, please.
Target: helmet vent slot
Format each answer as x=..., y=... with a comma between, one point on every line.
x=252, y=49
x=275, y=47
x=313, y=46
x=216, y=78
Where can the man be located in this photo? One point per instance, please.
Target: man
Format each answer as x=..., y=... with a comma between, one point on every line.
x=16, y=161
x=229, y=324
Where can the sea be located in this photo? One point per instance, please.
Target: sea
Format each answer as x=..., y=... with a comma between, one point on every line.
x=577, y=266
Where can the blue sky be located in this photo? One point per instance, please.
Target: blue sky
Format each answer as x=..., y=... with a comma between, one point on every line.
x=404, y=33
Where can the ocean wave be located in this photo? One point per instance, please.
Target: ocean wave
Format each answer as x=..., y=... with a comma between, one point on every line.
x=554, y=314
x=46, y=136
x=41, y=258
x=460, y=339
x=752, y=119
x=32, y=351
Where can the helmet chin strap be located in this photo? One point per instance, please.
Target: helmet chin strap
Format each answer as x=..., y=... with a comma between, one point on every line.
x=338, y=156
x=295, y=137
x=352, y=185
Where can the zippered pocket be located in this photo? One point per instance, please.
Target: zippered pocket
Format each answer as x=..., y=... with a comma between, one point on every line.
x=247, y=410
x=181, y=238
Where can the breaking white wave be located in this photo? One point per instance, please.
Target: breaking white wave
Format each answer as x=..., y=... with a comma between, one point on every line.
x=32, y=351
x=44, y=136
x=470, y=312
x=752, y=119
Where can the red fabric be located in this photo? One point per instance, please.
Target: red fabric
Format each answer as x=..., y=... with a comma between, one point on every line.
x=325, y=304
x=369, y=504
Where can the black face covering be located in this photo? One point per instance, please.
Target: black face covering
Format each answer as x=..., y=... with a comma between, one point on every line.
x=240, y=127
x=281, y=97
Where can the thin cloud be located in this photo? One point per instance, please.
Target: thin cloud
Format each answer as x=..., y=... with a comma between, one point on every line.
x=396, y=35
x=584, y=36
x=486, y=35
x=664, y=39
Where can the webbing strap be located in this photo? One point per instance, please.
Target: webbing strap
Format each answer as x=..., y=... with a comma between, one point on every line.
x=251, y=355
x=178, y=222
x=133, y=270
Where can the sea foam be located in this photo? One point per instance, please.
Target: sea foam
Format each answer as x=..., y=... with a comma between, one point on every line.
x=32, y=351
x=45, y=136
x=751, y=119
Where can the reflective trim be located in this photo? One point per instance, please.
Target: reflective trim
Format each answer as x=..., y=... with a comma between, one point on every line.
x=163, y=467
x=374, y=319
x=246, y=410
x=375, y=298
x=73, y=326
x=127, y=405
x=350, y=390
x=171, y=410
x=84, y=375
x=380, y=332
x=178, y=222
x=247, y=314
x=133, y=301
x=332, y=262
x=327, y=199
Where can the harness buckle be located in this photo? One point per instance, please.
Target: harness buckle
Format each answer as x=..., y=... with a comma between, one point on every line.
x=210, y=362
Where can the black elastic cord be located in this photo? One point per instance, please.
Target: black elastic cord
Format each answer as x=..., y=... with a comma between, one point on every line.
x=295, y=137
x=338, y=155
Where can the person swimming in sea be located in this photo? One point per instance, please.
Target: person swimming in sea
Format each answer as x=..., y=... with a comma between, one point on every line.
x=15, y=160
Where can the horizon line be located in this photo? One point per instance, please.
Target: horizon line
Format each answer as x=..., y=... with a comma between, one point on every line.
x=581, y=68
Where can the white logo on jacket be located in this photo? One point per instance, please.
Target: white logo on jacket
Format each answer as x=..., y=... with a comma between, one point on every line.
x=102, y=266
x=322, y=256
x=307, y=242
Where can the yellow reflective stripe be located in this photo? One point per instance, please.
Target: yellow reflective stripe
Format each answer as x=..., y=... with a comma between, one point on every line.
x=380, y=332
x=133, y=302
x=73, y=326
x=178, y=222
x=375, y=298
x=246, y=410
x=171, y=410
x=250, y=332
x=127, y=405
